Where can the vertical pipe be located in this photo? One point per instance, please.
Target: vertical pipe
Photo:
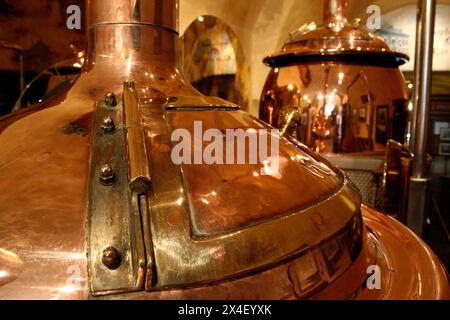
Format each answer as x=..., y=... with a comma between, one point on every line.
x=334, y=11
x=424, y=88
x=418, y=192
x=415, y=93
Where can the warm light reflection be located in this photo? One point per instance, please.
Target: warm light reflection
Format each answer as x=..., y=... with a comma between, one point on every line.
x=69, y=289
x=272, y=170
x=329, y=108
x=129, y=64
x=3, y=274
x=420, y=283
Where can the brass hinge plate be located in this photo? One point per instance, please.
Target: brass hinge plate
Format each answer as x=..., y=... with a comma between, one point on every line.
x=116, y=255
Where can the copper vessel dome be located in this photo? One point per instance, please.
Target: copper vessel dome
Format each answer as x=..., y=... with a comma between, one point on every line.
x=336, y=40
x=93, y=206
x=327, y=87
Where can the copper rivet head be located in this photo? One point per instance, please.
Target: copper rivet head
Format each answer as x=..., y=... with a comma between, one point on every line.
x=107, y=175
x=108, y=125
x=110, y=99
x=111, y=258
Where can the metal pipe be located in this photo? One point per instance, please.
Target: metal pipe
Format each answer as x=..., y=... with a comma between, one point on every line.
x=158, y=13
x=133, y=40
x=334, y=12
x=419, y=193
x=415, y=93
x=423, y=74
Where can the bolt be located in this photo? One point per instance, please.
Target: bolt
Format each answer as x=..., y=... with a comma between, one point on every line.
x=107, y=175
x=110, y=99
x=111, y=258
x=108, y=125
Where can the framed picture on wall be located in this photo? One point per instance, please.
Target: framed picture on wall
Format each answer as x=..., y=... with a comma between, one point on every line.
x=382, y=124
x=444, y=149
x=445, y=134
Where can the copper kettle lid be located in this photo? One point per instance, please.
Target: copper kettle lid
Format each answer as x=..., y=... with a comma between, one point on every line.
x=336, y=40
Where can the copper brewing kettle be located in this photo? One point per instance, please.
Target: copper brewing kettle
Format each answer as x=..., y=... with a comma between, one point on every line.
x=337, y=87
x=92, y=205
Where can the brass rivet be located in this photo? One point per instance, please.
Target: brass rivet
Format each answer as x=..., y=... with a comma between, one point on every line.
x=107, y=175
x=111, y=258
x=110, y=99
x=108, y=125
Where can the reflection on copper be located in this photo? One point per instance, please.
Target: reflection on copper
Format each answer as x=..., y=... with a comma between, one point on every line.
x=11, y=266
x=347, y=70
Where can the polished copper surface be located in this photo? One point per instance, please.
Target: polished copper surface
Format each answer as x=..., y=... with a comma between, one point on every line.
x=162, y=14
x=334, y=12
x=327, y=87
x=336, y=108
x=298, y=239
x=407, y=264
x=335, y=39
x=240, y=195
x=47, y=148
x=10, y=267
x=195, y=245
x=409, y=271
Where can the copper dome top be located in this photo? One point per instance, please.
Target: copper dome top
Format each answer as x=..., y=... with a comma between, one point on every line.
x=336, y=39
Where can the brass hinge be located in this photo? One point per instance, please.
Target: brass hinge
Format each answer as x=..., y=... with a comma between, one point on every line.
x=118, y=182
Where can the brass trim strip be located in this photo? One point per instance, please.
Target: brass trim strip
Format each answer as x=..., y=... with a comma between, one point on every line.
x=139, y=173
x=198, y=103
